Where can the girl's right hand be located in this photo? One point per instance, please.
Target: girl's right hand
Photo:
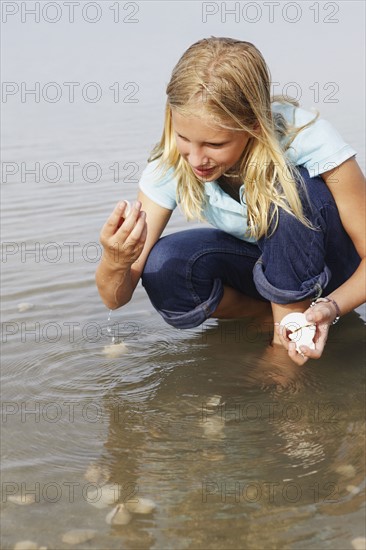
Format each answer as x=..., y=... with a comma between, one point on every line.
x=124, y=242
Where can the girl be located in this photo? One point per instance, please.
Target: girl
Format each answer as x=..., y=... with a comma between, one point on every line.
x=229, y=156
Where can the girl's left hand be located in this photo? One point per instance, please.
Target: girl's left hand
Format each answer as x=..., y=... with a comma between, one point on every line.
x=322, y=315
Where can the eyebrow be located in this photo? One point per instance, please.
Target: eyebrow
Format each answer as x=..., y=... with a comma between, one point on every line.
x=208, y=142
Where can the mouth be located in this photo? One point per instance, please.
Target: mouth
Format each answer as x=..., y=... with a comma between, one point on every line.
x=204, y=172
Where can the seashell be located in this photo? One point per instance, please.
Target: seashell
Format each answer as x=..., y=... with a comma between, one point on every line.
x=25, y=306
x=128, y=208
x=95, y=473
x=346, y=470
x=104, y=496
x=141, y=506
x=78, y=536
x=359, y=543
x=115, y=350
x=353, y=489
x=301, y=331
x=213, y=401
x=22, y=500
x=213, y=427
x=118, y=516
x=26, y=545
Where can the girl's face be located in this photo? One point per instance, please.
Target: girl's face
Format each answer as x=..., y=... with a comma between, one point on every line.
x=210, y=151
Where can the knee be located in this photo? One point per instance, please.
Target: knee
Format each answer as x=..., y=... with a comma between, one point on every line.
x=160, y=267
x=183, y=297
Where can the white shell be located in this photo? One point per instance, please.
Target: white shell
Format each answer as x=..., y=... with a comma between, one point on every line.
x=104, y=496
x=302, y=332
x=346, y=470
x=128, y=208
x=25, y=306
x=213, y=427
x=96, y=473
x=359, y=543
x=213, y=401
x=118, y=516
x=112, y=351
x=22, y=500
x=141, y=506
x=26, y=545
x=78, y=536
x=353, y=489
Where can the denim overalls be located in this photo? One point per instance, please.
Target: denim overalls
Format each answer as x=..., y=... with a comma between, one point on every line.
x=185, y=272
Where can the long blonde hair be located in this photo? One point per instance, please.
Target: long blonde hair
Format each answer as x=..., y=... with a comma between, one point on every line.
x=228, y=82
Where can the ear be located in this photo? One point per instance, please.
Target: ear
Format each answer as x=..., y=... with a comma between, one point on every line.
x=257, y=128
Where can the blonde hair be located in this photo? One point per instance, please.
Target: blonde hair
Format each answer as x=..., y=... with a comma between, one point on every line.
x=227, y=82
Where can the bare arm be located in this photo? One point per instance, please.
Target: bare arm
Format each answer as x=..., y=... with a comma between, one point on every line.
x=347, y=185
x=126, y=248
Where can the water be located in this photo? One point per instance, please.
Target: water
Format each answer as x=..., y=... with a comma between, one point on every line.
x=238, y=447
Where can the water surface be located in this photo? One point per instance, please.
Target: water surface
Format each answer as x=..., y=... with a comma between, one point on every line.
x=238, y=447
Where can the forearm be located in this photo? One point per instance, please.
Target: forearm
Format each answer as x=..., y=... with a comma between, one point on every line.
x=353, y=292
x=115, y=284
x=347, y=185
x=348, y=296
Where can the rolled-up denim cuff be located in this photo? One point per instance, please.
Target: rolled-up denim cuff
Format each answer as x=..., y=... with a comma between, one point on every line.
x=199, y=314
x=311, y=288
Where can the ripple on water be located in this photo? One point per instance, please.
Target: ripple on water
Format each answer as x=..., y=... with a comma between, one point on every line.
x=207, y=411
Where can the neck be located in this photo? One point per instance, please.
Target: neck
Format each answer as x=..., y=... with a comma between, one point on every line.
x=230, y=186
x=233, y=182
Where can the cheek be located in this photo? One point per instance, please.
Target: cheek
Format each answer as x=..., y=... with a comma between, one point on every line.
x=233, y=154
x=237, y=152
x=182, y=150
x=183, y=147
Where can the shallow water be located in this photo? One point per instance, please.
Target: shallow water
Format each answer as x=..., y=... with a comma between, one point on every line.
x=238, y=447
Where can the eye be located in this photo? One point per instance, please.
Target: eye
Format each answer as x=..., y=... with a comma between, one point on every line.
x=181, y=137
x=215, y=144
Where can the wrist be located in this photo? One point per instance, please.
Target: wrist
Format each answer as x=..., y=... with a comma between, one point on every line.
x=112, y=262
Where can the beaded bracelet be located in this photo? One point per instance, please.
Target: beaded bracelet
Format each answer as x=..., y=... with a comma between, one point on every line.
x=338, y=312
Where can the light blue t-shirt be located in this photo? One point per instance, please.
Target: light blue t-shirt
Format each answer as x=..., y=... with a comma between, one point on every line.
x=318, y=148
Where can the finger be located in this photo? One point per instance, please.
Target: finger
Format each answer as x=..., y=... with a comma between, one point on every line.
x=298, y=358
x=321, y=336
x=282, y=333
x=132, y=234
x=130, y=221
x=318, y=314
x=139, y=232
x=311, y=353
x=130, y=248
x=144, y=233
x=111, y=225
x=126, y=211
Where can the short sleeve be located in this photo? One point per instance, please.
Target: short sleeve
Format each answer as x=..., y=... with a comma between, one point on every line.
x=159, y=187
x=319, y=147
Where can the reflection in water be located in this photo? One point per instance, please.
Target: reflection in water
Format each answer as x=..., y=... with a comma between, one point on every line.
x=237, y=446
x=240, y=445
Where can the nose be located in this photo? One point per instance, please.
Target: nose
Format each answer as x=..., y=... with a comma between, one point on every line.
x=197, y=157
